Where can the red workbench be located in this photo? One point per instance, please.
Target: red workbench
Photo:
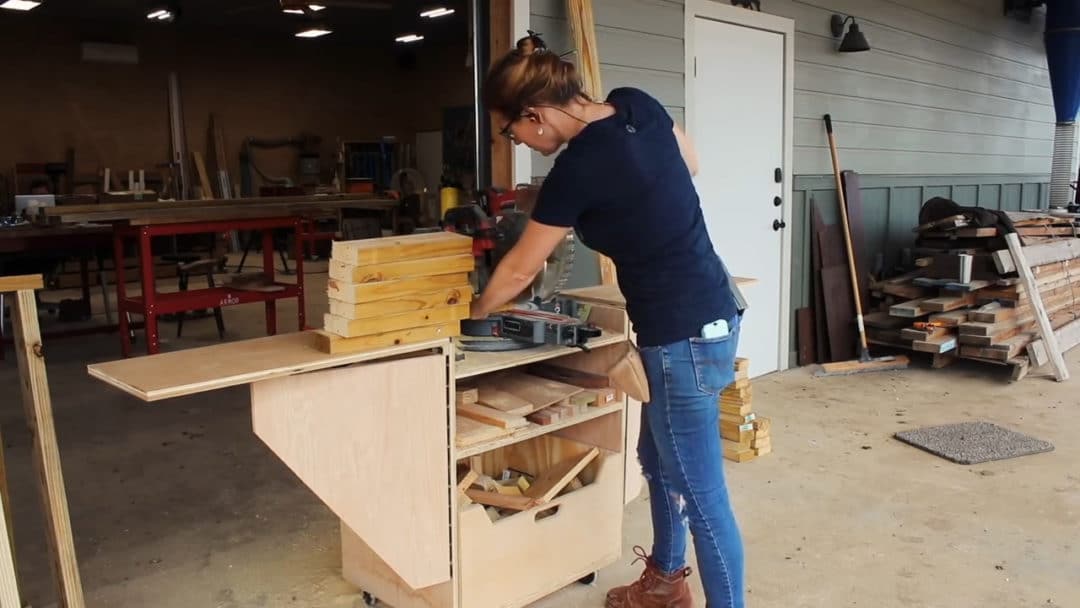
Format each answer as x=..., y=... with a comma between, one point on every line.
x=151, y=303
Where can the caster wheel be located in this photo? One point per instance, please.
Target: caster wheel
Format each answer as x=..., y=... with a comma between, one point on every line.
x=588, y=579
x=369, y=600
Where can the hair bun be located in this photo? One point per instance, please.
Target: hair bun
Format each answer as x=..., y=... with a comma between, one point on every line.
x=532, y=43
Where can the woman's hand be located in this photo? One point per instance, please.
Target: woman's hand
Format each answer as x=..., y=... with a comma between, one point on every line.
x=518, y=267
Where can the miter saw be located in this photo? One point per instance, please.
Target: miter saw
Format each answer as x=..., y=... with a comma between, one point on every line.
x=537, y=315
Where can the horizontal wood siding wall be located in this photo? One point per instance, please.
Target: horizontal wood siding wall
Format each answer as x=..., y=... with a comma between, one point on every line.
x=891, y=207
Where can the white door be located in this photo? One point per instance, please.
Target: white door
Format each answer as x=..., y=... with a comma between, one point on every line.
x=738, y=129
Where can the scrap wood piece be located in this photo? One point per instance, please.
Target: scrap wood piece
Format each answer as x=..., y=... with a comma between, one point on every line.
x=502, y=501
x=408, y=303
x=1068, y=337
x=466, y=395
x=540, y=392
x=334, y=344
x=544, y=417
x=470, y=432
x=566, y=375
x=21, y=282
x=362, y=293
x=396, y=248
x=1046, y=331
x=936, y=345
x=548, y=485
x=492, y=416
x=38, y=406
x=503, y=401
x=467, y=481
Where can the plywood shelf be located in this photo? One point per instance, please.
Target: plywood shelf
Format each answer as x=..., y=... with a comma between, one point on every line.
x=479, y=363
x=534, y=430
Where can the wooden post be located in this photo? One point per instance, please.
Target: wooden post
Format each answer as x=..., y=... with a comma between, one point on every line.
x=583, y=31
x=35, y=389
x=9, y=582
x=1031, y=288
x=499, y=42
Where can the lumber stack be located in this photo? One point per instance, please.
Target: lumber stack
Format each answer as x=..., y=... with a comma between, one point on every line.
x=964, y=298
x=397, y=290
x=745, y=436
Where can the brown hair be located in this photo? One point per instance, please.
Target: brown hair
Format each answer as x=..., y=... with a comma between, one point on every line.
x=530, y=75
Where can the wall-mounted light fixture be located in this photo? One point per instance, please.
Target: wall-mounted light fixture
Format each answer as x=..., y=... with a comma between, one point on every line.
x=314, y=31
x=854, y=41
x=409, y=38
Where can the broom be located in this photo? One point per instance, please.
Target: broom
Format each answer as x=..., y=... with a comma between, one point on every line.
x=864, y=363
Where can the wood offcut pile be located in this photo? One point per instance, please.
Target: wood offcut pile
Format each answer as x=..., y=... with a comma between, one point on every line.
x=397, y=290
x=965, y=298
x=515, y=491
x=745, y=436
x=501, y=404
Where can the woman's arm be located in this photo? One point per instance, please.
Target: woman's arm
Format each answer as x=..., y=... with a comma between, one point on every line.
x=687, y=148
x=518, y=267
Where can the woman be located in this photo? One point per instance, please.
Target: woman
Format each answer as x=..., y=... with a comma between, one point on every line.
x=624, y=183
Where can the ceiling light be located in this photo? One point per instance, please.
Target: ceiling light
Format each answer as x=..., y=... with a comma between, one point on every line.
x=20, y=5
x=442, y=11
x=408, y=38
x=301, y=10
x=293, y=11
x=316, y=7
x=160, y=15
x=312, y=32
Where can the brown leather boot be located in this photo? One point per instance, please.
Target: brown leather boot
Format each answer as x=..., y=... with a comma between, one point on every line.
x=653, y=589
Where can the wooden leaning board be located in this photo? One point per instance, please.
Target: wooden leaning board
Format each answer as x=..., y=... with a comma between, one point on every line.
x=397, y=290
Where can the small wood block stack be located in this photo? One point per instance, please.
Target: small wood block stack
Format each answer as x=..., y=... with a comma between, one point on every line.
x=397, y=290
x=745, y=436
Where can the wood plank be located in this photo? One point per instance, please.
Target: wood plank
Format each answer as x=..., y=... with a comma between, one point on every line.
x=492, y=416
x=39, y=416
x=9, y=581
x=567, y=375
x=839, y=312
x=948, y=303
x=196, y=370
x=1039, y=254
x=1068, y=336
x=355, y=328
x=540, y=392
x=455, y=264
x=503, y=401
x=820, y=329
x=366, y=252
x=501, y=501
x=1046, y=331
x=333, y=344
x=21, y=282
x=471, y=432
x=453, y=296
x=936, y=345
x=912, y=309
x=883, y=320
x=949, y=319
x=804, y=322
x=371, y=292
x=548, y=485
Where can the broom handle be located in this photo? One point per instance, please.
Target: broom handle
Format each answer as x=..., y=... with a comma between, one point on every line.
x=847, y=234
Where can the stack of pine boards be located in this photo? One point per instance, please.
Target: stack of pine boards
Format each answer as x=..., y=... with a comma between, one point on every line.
x=745, y=435
x=397, y=290
x=990, y=316
x=498, y=405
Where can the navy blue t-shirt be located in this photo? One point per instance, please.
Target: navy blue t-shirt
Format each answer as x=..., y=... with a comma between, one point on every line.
x=623, y=185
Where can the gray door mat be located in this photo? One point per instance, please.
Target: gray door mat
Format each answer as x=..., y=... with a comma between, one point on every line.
x=973, y=442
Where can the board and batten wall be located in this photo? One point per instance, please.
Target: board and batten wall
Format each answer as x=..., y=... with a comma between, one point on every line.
x=953, y=99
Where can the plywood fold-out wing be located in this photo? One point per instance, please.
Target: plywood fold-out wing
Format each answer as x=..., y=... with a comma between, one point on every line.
x=380, y=462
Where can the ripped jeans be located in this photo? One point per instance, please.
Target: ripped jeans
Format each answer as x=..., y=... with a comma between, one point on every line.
x=681, y=456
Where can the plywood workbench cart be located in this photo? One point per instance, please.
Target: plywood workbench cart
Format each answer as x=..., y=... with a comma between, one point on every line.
x=375, y=435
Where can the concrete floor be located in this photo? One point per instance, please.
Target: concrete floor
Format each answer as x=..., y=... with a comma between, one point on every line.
x=180, y=505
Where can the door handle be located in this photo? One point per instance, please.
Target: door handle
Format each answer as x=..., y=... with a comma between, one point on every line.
x=778, y=224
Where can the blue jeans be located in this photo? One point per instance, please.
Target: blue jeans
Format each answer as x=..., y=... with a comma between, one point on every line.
x=682, y=459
